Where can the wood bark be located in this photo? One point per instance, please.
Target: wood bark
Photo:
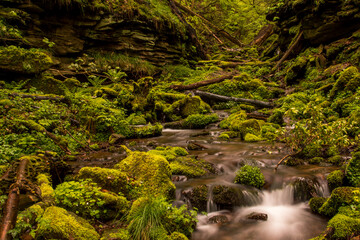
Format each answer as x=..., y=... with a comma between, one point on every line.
x=264, y=34
x=287, y=53
x=39, y=97
x=217, y=29
x=203, y=83
x=12, y=204
x=219, y=98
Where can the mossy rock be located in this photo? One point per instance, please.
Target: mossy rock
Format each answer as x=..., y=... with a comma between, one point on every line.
x=252, y=138
x=296, y=70
x=277, y=117
x=177, y=236
x=47, y=192
x=336, y=160
x=151, y=171
x=353, y=170
x=191, y=167
x=247, y=126
x=251, y=176
x=344, y=227
x=240, y=116
x=226, y=197
x=315, y=203
x=115, y=234
x=20, y=60
x=340, y=196
x=109, y=179
x=224, y=136
x=348, y=79
x=198, y=197
x=293, y=161
x=57, y=223
x=335, y=179
x=316, y=160
x=199, y=121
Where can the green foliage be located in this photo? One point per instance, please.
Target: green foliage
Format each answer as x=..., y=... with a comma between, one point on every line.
x=250, y=175
x=335, y=179
x=252, y=138
x=154, y=218
x=198, y=121
x=86, y=199
x=353, y=170
x=344, y=226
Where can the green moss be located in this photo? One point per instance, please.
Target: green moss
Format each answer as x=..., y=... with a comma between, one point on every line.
x=187, y=106
x=134, y=119
x=224, y=136
x=316, y=160
x=109, y=92
x=170, y=153
x=110, y=179
x=47, y=192
x=198, y=197
x=336, y=160
x=198, y=121
x=240, y=116
x=21, y=60
x=57, y=223
x=152, y=171
x=344, y=227
x=340, y=196
x=252, y=138
x=115, y=234
x=247, y=126
x=26, y=219
x=190, y=167
x=335, y=179
x=315, y=203
x=353, y=170
x=94, y=146
x=295, y=71
x=148, y=131
x=348, y=76
x=251, y=176
x=277, y=117
x=177, y=236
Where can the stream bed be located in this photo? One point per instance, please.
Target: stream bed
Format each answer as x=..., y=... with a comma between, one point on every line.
x=284, y=201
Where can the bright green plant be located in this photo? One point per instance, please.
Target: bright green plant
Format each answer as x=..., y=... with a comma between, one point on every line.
x=251, y=176
x=83, y=198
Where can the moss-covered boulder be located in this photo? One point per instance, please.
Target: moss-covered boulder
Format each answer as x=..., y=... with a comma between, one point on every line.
x=249, y=175
x=115, y=234
x=47, y=192
x=151, y=172
x=197, y=196
x=57, y=223
x=335, y=179
x=110, y=179
x=227, y=197
x=344, y=227
x=341, y=196
x=20, y=60
x=251, y=126
x=181, y=163
x=353, y=170
x=315, y=204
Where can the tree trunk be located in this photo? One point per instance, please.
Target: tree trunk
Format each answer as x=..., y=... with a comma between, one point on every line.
x=203, y=83
x=12, y=203
x=219, y=98
x=218, y=30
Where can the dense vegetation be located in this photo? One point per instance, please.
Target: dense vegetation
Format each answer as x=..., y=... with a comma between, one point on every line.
x=77, y=77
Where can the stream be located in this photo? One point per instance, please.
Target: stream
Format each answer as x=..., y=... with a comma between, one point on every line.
x=289, y=216
x=284, y=197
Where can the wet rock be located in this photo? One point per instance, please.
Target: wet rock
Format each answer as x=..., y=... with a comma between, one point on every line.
x=227, y=197
x=257, y=216
x=304, y=189
x=195, y=146
x=197, y=196
x=177, y=178
x=221, y=219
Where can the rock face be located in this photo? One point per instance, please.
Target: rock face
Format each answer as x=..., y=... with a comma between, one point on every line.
x=76, y=29
x=320, y=21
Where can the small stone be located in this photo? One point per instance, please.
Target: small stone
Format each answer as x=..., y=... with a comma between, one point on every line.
x=218, y=219
x=257, y=216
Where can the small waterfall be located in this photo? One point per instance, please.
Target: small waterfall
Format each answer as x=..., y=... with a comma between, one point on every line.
x=284, y=196
x=211, y=206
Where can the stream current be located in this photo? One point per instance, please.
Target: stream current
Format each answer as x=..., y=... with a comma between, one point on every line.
x=289, y=216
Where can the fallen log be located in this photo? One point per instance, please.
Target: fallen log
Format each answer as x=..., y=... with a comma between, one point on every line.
x=12, y=204
x=203, y=83
x=219, y=98
x=287, y=53
x=263, y=35
x=39, y=97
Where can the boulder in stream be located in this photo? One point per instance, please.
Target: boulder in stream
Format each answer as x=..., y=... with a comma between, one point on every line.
x=257, y=216
x=220, y=219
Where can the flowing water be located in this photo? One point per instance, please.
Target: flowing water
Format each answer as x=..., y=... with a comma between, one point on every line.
x=283, y=199
x=289, y=217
